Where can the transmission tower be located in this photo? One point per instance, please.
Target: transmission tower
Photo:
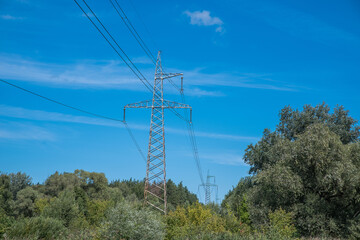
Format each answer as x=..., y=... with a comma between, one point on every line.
x=155, y=181
x=209, y=187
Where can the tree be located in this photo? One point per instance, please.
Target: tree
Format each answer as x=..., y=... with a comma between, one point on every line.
x=25, y=202
x=309, y=166
x=126, y=222
x=36, y=228
x=57, y=183
x=6, y=197
x=65, y=209
x=18, y=182
x=193, y=221
x=236, y=200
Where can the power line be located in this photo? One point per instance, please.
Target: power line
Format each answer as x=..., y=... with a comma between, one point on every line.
x=192, y=138
x=134, y=140
x=143, y=80
x=147, y=51
x=60, y=103
x=136, y=35
x=82, y=111
x=133, y=31
x=139, y=16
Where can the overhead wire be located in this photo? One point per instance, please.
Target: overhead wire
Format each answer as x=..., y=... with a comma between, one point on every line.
x=60, y=103
x=143, y=79
x=132, y=30
x=141, y=20
x=80, y=110
x=139, y=39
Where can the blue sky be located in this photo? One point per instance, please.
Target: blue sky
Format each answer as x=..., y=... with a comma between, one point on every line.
x=242, y=62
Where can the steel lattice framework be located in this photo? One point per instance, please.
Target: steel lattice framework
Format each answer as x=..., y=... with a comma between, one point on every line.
x=207, y=187
x=155, y=181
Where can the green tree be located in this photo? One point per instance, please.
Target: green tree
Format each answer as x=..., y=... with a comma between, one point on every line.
x=192, y=221
x=18, y=182
x=66, y=209
x=36, y=228
x=25, y=202
x=6, y=197
x=126, y=222
x=309, y=166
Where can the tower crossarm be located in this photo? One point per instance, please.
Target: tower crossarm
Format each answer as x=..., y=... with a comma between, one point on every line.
x=166, y=104
x=149, y=104
x=171, y=75
x=142, y=104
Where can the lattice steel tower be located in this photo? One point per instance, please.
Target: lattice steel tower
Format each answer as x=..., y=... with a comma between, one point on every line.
x=155, y=181
x=208, y=187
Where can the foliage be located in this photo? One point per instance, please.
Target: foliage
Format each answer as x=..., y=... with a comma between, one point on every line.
x=281, y=223
x=236, y=200
x=65, y=209
x=195, y=220
x=25, y=202
x=126, y=222
x=6, y=197
x=36, y=228
x=308, y=166
x=94, y=184
x=18, y=182
x=5, y=222
x=179, y=195
x=129, y=187
x=96, y=210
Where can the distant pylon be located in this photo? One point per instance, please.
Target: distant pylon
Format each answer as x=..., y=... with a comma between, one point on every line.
x=208, y=187
x=155, y=181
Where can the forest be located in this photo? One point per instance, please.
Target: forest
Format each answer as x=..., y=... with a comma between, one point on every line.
x=303, y=183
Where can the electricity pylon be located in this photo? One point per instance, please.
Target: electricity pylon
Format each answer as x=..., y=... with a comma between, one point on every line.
x=155, y=181
x=208, y=187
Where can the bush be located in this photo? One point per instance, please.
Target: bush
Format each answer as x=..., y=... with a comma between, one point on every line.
x=5, y=222
x=36, y=228
x=66, y=209
x=281, y=224
x=126, y=222
x=193, y=221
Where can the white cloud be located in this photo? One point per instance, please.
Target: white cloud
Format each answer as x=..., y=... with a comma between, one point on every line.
x=10, y=17
x=203, y=18
x=225, y=159
x=87, y=74
x=198, y=77
x=17, y=131
x=90, y=74
x=38, y=115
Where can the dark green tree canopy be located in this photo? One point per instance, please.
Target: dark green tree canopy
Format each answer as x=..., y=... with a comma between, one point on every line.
x=292, y=123
x=309, y=166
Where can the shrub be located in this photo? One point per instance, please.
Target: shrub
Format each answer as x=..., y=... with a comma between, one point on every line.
x=281, y=224
x=126, y=222
x=36, y=228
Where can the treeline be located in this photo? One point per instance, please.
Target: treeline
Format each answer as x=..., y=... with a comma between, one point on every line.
x=81, y=205
x=304, y=182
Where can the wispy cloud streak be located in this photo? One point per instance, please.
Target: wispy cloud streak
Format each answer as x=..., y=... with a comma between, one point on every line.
x=10, y=17
x=38, y=115
x=17, y=131
x=113, y=75
x=225, y=159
